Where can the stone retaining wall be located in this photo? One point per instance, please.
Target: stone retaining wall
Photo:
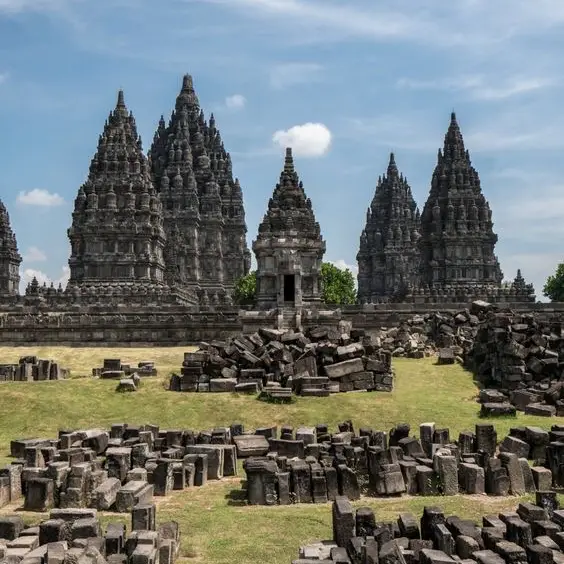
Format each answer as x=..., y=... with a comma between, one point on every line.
x=178, y=325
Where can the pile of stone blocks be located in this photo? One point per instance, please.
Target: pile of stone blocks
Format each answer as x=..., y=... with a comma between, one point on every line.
x=531, y=534
x=316, y=363
x=115, y=469
x=114, y=369
x=312, y=465
x=521, y=356
x=75, y=535
x=32, y=369
x=425, y=335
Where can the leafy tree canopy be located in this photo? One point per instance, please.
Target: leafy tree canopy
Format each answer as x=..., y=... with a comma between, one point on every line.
x=338, y=285
x=554, y=287
x=246, y=289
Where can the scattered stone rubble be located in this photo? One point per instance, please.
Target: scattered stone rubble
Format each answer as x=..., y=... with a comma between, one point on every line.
x=532, y=534
x=75, y=535
x=519, y=359
x=278, y=363
x=32, y=369
x=424, y=335
x=115, y=370
x=313, y=465
x=114, y=469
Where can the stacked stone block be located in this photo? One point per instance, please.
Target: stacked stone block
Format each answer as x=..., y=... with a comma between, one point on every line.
x=531, y=534
x=316, y=363
x=116, y=469
x=32, y=369
x=113, y=368
x=75, y=535
x=312, y=465
x=520, y=356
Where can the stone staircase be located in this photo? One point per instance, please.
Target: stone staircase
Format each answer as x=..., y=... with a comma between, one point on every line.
x=286, y=319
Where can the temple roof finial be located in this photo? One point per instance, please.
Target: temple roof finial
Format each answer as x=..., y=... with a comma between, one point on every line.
x=120, y=100
x=289, y=161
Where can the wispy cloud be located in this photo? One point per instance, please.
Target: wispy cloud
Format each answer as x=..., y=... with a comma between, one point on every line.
x=3, y=77
x=515, y=129
x=17, y=6
x=33, y=254
x=466, y=23
x=286, y=75
x=480, y=87
x=235, y=102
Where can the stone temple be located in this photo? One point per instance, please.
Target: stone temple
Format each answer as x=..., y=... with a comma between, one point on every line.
x=170, y=227
x=204, y=217
x=445, y=255
x=117, y=236
x=388, y=258
x=289, y=247
x=158, y=242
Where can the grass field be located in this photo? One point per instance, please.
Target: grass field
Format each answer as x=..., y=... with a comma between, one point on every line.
x=216, y=528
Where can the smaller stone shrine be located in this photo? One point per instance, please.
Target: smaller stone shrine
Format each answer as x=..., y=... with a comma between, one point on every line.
x=289, y=247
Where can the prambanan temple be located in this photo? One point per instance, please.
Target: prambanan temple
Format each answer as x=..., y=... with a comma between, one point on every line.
x=159, y=240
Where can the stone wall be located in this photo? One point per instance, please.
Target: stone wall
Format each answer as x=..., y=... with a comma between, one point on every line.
x=183, y=325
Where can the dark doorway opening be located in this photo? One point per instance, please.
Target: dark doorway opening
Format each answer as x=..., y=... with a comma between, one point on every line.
x=289, y=288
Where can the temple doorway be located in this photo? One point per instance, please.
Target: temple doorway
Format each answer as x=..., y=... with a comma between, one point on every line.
x=289, y=288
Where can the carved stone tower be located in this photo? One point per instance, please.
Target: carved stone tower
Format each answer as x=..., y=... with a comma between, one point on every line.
x=203, y=203
x=10, y=258
x=388, y=258
x=457, y=238
x=117, y=237
x=289, y=247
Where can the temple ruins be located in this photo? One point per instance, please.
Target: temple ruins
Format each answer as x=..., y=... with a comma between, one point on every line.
x=158, y=242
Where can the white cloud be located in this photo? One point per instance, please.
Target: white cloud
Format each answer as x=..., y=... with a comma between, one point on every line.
x=34, y=254
x=40, y=197
x=28, y=274
x=480, y=87
x=307, y=140
x=235, y=102
x=291, y=74
x=3, y=77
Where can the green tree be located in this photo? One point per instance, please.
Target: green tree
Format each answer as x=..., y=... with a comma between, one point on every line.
x=337, y=285
x=554, y=287
x=246, y=289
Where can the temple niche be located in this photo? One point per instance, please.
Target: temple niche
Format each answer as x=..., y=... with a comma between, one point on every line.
x=289, y=248
x=10, y=258
x=388, y=258
x=117, y=237
x=204, y=216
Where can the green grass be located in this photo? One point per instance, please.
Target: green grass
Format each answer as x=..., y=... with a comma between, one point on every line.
x=213, y=530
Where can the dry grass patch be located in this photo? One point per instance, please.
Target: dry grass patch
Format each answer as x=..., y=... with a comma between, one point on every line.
x=214, y=530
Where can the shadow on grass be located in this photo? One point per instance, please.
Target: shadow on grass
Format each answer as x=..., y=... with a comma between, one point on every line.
x=237, y=498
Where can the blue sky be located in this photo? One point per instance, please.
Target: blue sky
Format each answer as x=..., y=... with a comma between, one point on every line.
x=344, y=82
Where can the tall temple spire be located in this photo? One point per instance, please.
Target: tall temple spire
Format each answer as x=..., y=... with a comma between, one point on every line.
x=457, y=238
x=289, y=247
x=117, y=237
x=10, y=258
x=203, y=206
x=388, y=255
